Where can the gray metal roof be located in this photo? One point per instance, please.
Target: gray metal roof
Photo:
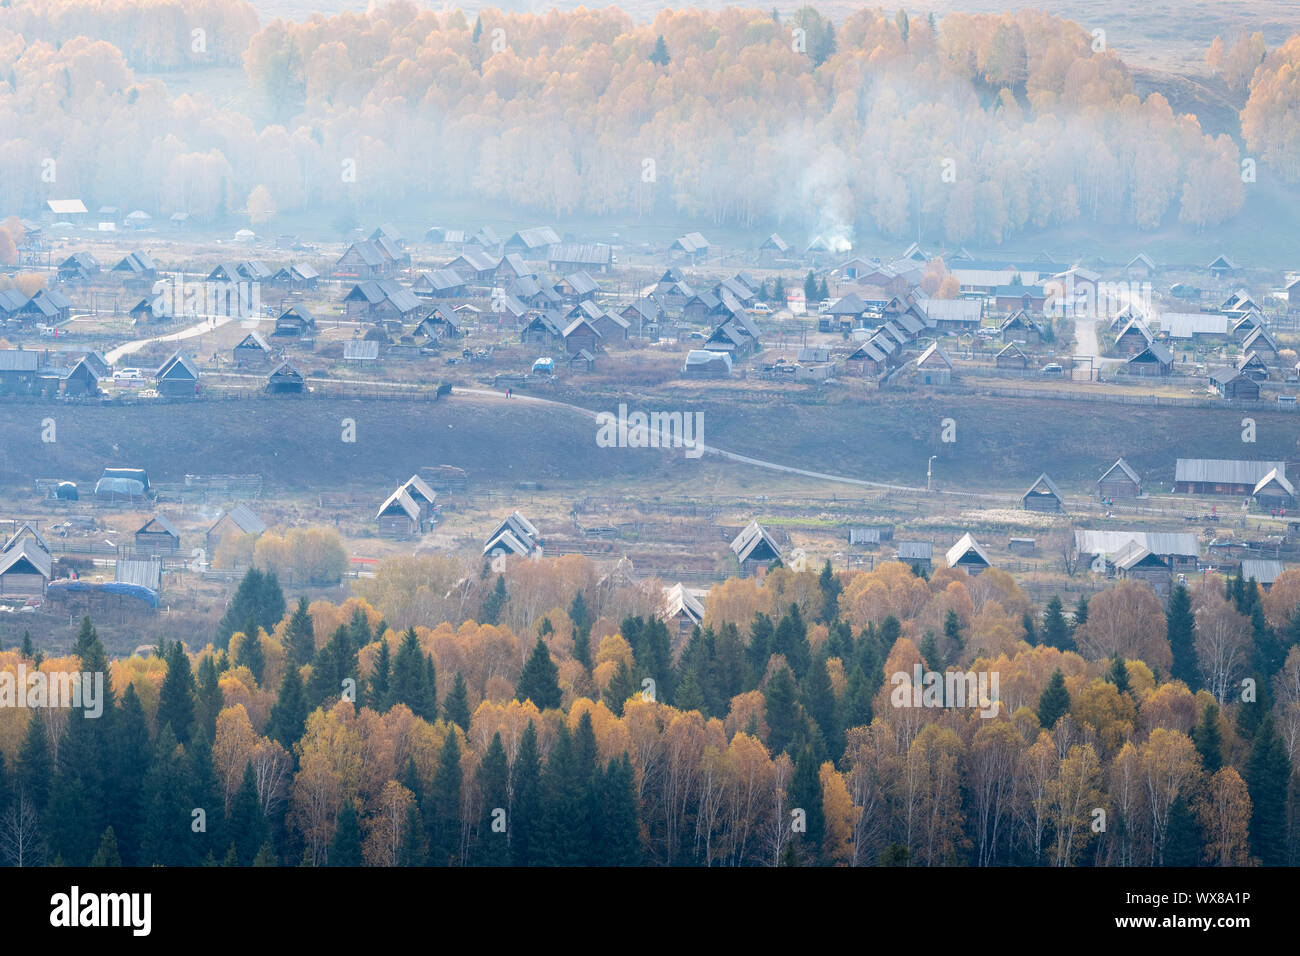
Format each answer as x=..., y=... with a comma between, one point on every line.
x=1263, y=570
x=145, y=572
x=1163, y=543
x=1224, y=471
x=1123, y=466
x=967, y=551
x=915, y=551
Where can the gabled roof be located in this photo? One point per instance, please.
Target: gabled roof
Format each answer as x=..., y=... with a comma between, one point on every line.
x=776, y=243
x=754, y=541
x=534, y=238
x=915, y=551
x=253, y=340
x=399, y=500
x=284, y=372
x=1262, y=570
x=1044, y=485
x=582, y=283
x=1020, y=319
x=965, y=549
x=178, y=366
x=1180, y=543
x=934, y=357
x=1156, y=351
x=27, y=558
x=244, y=518
x=1260, y=334
x=678, y=600
x=25, y=531
x=1012, y=348
x=1274, y=476
x=1224, y=471
x=691, y=242
x=516, y=533
x=159, y=524
x=1123, y=466
x=417, y=488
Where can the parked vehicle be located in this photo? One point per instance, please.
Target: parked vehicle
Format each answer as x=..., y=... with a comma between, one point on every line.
x=1052, y=368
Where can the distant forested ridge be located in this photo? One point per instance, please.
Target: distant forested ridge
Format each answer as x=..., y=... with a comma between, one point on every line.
x=975, y=128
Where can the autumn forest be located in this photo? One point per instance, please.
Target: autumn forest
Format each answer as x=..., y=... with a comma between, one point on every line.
x=974, y=128
x=562, y=722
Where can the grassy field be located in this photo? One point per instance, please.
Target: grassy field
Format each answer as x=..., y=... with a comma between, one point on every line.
x=1001, y=444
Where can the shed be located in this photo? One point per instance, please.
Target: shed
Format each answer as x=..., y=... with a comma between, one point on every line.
x=1043, y=495
x=754, y=548
x=1119, y=481
x=157, y=536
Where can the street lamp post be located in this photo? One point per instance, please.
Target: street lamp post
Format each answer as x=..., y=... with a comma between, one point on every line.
x=928, y=466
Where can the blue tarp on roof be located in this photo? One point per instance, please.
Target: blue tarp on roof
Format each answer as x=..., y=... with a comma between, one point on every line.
x=144, y=594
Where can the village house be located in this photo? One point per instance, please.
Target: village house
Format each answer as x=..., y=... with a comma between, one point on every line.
x=754, y=549
x=252, y=352
x=1020, y=326
x=934, y=367
x=1133, y=338
x=692, y=246
x=612, y=328
x=475, y=265
x=1141, y=266
x=439, y=284
x=379, y=300
x=1222, y=266
x=1031, y=300
x=954, y=315
x=1209, y=476
x=543, y=330
x=294, y=323
x=968, y=554
x=82, y=380
x=1119, y=481
x=1137, y=563
x=1011, y=357
x=866, y=360
x=772, y=248
x=363, y=260
x=178, y=377
x=534, y=243
x=682, y=611
x=296, y=277
x=582, y=335
x=573, y=256
x=577, y=287
x=1154, y=360
x=1043, y=495
x=1263, y=571
x=516, y=535
x=918, y=555
x=1262, y=343
x=284, y=379
x=1274, y=492
x=137, y=267
x=1233, y=384
x=1252, y=365
x=239, y=520
x=79, y=267
x=26, y=566
x=157, y=536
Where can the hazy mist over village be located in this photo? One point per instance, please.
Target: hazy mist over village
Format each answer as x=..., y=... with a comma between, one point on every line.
x=643, y=436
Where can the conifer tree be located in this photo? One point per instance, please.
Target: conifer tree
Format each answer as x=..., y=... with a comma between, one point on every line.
x=209, y=699
x=107, y=854
x=35, y=773
x=659, y=55
x=456, y=706
x=345, y=848
x=620, y=687
x=1056, y=632
x=1267, y=774
x=620, y=832
x=442, y=813
x=493, y=846
x=289, y=712
x=300, y=635
x=168, y=818
x=1180, y=629
x=250, y=652
x=495, y=602
x=1208, y=739
x=176, y=697
x=246, y=824
x=784, y=718
x=525, y=808
x=806, y=795
x=1183, y=839
x=408, y=684
x=539, y=680
x=380, y=676
x=1054, y=702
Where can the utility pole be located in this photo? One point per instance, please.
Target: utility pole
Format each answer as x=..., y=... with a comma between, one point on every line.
x=928, y=466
